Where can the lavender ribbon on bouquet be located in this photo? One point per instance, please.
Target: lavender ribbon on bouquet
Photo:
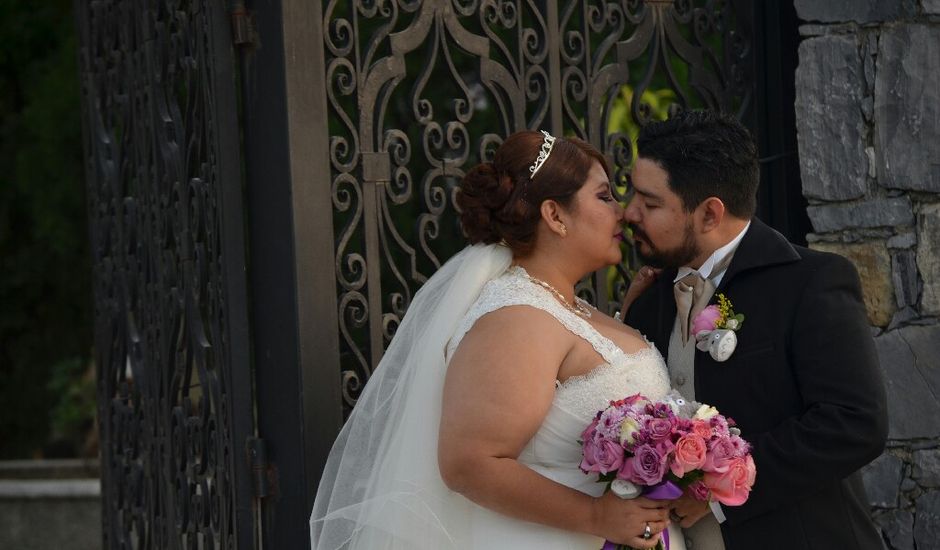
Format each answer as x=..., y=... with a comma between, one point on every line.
x=666, y=490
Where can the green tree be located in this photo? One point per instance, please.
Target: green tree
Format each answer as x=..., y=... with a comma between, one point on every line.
x=45, y=319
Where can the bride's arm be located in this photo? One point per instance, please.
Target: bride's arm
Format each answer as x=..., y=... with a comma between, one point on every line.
x=499, y=387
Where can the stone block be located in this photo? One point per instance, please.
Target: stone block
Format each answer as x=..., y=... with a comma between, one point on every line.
x=924, y=342
x=860, y=11
x=927, y=467
x=903, y=240
x=907, y=108
x=931, y=6
x=830, y=85
x=43, y=514
x=902, y=317
x=928, y=258
x=897, y=526
x=927, y=525
x=910, y=360
x=904, y=276
x=883, y=481
x=874, y=213
x=873, y=263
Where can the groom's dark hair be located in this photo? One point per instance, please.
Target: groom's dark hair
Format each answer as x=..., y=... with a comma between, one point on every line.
x=705, y=154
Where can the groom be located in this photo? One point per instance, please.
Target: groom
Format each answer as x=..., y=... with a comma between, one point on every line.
x=803, y=381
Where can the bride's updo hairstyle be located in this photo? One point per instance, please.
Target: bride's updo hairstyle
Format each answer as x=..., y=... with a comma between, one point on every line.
x=499, y=201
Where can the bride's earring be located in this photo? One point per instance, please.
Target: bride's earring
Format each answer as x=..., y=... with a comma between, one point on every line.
x=564, y=230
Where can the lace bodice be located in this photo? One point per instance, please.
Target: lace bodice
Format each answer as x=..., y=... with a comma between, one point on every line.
x=621, y=375
x=513, y=289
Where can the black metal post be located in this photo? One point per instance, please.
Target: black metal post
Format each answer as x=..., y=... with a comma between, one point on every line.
x=293, y=294
x=780, y=200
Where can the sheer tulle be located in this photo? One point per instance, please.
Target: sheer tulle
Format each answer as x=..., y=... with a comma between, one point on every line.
x=381, y=486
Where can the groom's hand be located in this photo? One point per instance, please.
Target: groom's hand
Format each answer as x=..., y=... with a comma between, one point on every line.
x=644, y=279
x=686, y=511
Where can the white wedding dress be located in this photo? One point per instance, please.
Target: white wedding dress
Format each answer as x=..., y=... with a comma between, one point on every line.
x=421, y=513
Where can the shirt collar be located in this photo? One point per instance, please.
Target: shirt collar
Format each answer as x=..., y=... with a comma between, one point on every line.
x=706, y=269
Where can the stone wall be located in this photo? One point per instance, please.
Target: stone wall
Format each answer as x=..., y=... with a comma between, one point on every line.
x=868, y=121
x=50, y=504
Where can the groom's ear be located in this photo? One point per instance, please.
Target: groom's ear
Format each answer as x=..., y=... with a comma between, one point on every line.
x=712, y=212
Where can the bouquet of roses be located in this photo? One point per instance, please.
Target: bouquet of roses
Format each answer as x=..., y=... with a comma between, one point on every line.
x=659, y=449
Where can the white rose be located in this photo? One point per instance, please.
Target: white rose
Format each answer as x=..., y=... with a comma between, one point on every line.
x=628, y=430
x=705, y=412
x=731, y=324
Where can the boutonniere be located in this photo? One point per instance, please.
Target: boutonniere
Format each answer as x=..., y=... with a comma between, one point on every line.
x=714, y=329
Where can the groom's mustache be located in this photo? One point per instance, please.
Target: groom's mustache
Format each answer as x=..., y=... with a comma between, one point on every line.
x=637, y=232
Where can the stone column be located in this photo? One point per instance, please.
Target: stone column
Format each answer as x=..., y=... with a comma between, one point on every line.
x=868, y=121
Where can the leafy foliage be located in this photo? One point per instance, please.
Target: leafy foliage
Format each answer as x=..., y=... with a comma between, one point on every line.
x=45, y=269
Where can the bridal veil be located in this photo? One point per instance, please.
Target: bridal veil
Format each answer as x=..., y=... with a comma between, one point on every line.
x=381, y=487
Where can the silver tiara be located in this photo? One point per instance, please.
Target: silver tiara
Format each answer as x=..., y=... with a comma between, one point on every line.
x=543, y=153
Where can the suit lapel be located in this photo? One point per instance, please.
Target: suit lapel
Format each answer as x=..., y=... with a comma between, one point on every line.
x=761, y=246
x=666, y=310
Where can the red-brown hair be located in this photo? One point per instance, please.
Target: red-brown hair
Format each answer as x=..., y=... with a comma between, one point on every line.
x=498, y=201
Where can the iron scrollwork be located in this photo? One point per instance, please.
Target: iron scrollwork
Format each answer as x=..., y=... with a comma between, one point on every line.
x=431, y=87
x=163, y=312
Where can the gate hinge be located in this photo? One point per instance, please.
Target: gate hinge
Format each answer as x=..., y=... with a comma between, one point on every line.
x=243, y=25
x=263, y=475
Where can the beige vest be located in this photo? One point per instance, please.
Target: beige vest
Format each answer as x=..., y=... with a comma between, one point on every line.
x=706, y=533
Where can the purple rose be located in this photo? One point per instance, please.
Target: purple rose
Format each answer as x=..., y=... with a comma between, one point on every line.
x=601, y=455
x=659, y=428
x=664, y=447
x=589, y=432
x=646, y=467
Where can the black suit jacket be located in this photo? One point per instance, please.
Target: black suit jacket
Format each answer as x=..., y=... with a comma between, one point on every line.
x=803, y=385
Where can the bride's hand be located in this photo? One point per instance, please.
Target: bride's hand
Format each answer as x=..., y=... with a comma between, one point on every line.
x=623, y=521
x=643, y=280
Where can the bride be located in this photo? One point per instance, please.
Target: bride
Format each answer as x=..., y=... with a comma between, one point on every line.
x=466, y=436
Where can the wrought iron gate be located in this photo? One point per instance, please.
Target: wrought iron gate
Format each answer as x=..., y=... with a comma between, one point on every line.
x=420, y=91
x=354, y=123
x=171, y=334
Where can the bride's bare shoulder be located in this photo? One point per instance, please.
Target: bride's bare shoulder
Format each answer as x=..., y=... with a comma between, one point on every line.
x=519, y=328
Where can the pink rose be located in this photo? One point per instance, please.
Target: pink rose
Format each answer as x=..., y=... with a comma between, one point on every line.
x=601, y=455
x=705, y=320
x=646, y=467
x=691, y=450
x=702, y=428
x=732, y=487
x=720, y=453
x=699, y=490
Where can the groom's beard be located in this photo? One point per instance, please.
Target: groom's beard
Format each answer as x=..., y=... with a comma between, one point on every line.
x=677, y=257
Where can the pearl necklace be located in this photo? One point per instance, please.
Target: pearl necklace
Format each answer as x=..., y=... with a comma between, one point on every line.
x=578, y=308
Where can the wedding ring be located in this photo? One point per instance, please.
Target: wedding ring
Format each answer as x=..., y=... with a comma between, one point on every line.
x=647, y=532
